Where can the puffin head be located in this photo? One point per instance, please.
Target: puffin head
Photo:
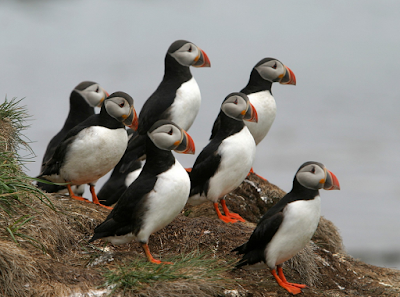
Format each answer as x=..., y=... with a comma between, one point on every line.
x=92, y=93
x=119, y=105
x=188, y=54
x=315, y=176
x=168, y=136
x=237, y=106
x=274, y=71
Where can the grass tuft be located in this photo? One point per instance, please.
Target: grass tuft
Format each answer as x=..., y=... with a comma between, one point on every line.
x=129, y=277
x=16, y=116
x=16, y=189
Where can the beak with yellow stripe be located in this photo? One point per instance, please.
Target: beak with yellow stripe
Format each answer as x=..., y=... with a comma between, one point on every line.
x=273, y=70
x=237, y=106
x=168, y=136
x=188, y=54
x=119, y=105
x=315, y=176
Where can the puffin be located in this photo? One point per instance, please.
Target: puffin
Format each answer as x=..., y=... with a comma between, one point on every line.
x=177, y=98
x=93, y=147
x=83, y=98
x=258, y=89
x=226, y=160
x=157, y=196
x=288, y=226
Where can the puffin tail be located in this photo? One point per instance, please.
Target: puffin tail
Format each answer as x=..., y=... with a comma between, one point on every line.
x=240, y=249
x=251, y=257
x=108, y=228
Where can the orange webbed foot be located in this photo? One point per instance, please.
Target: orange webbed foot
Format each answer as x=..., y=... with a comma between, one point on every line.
x=229, y=214
x=225, y=219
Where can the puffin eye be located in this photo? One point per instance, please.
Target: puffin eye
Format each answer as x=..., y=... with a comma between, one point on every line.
x=236, y=101
x=98, y=89
x=274, y=66
x=312, y=170
x=170, y=132
x=190, y=49
x=122, y=104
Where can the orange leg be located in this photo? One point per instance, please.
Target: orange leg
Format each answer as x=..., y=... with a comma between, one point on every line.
x=95, y=199
x=229, y=214
x=291, y=289
x=188, y=170
x=283, y=278
x=73, y=196
x=226, y=219
x=252, y=171
x=150, y=257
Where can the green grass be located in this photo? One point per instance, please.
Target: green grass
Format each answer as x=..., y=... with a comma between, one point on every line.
x=134, y=275
x=17, y=115
x=15, y=187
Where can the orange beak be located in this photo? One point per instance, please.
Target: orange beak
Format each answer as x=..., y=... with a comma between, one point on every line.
x=251, y=114
x=187, y=144
x=201, y=60
x=289, y=78
x=135, y=122
x=331, y=181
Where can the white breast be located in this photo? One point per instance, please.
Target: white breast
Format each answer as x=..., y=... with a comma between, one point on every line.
x=237, y=156
x=186, y=104
x=95, y=151
x=299, y=224
x=166, y=201
x=265, y=105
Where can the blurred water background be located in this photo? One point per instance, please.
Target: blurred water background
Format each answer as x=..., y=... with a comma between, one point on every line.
x=344, y=111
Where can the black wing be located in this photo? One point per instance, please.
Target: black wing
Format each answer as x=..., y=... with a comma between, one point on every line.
x=253, y=250
x=54, y=164
x=204, y=168
x=128, y=213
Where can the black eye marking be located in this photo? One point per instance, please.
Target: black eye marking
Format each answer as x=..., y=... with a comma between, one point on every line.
x=274, y=66
x=122, y=104
x=170, y=132
x=313, y=170
x=98, y=89
x=190, y=49
x=236, y=101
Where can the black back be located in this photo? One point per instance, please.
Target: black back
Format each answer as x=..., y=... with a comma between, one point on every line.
x=127, y=215
x=208, y=160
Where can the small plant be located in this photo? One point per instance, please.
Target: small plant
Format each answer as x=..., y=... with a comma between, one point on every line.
x=137, y=274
